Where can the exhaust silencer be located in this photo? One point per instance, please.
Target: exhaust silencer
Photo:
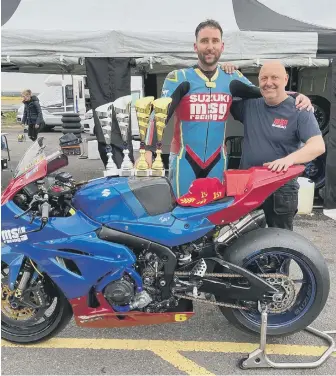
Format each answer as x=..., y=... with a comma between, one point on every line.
x=248, y=223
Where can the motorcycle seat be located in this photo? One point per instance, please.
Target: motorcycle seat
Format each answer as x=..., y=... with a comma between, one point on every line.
x=156, y=195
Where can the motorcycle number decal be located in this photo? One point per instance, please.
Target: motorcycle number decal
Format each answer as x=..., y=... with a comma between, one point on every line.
x=14, y=235
x=181, y=317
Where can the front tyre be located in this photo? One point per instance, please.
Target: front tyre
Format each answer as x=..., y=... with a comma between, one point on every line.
x=271, y=250
x=23, y=324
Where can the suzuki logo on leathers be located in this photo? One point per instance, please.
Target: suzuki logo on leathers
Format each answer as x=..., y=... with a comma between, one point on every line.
x=14, y=235
x=200, y=107
x=208, y=98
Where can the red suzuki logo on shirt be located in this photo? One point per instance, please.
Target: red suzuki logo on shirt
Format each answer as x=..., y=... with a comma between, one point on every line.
x=201, y=107
x=280, y=123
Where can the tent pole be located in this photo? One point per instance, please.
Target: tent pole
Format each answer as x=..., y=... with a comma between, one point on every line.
x=63, y=93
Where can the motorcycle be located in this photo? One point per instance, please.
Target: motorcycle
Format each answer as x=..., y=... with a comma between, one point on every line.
x=120, y=251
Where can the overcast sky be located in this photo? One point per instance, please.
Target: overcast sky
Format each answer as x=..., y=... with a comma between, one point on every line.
x=324, y=14
x=21, y=81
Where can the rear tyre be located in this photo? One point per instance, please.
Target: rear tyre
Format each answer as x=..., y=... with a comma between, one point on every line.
x=70, y=114
x=77, y=125
x=322, y=112
x=315, y=171
x=270, y=250
x=76, y=132
x=72, y=119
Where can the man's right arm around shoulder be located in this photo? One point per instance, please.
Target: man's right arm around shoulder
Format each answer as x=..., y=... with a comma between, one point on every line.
x=241, y=89
x=175, y=86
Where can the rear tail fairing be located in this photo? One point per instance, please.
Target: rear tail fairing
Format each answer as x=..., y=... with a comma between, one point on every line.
x=250, y=188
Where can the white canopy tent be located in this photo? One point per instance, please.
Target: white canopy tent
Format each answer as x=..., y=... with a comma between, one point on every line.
x=63, y=36
x=55, y=37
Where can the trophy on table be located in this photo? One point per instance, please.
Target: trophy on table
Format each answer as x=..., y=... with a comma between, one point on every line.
x=161, y=107
x=143, y=108
x=104, y=113
x=122, y=107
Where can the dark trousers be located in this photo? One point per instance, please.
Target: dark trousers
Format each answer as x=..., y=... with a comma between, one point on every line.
x=32, y=132
x=281, y=207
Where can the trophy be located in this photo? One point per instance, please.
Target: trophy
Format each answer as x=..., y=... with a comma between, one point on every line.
x=111, y=167
x=104, y=114
x=161, y=107
x=122, y=107
x=143, y=108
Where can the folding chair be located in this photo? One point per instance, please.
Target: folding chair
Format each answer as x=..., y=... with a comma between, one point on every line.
x=234, y=151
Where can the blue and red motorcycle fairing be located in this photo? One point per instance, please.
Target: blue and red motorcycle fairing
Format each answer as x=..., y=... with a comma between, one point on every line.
x=122, y=252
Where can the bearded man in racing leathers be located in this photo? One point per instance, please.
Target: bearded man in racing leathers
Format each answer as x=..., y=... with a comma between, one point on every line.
x=201, y=101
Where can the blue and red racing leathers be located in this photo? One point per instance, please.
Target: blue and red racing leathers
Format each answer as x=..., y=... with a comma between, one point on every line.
x=201, y=108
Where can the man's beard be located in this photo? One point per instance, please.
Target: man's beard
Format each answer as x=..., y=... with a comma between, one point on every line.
x=201, y=58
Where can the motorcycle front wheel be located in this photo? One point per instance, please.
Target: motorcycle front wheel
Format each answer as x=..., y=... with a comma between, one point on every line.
x=27, y=322
x=306, y=281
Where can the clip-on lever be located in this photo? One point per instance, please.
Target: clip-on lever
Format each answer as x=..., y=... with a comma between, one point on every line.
x=35, y=230
x=35, y=199
x=45, y=207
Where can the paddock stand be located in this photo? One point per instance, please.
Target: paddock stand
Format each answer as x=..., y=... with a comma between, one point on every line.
x=259, y=359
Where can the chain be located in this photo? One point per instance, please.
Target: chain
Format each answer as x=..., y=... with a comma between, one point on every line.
x=227, y=305
x=215, y=275
x=225, y=275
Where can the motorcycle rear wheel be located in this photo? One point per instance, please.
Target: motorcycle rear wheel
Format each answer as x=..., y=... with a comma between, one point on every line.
x=27, y=325
x=282, y=247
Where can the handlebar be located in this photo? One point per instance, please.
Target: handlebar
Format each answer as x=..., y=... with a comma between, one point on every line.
x=45, y=212
x=44, y=209
x=35, y=199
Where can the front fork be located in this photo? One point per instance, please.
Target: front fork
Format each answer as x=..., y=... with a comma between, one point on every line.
x=29, y=273
x=27, y=270
x=20, y=284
